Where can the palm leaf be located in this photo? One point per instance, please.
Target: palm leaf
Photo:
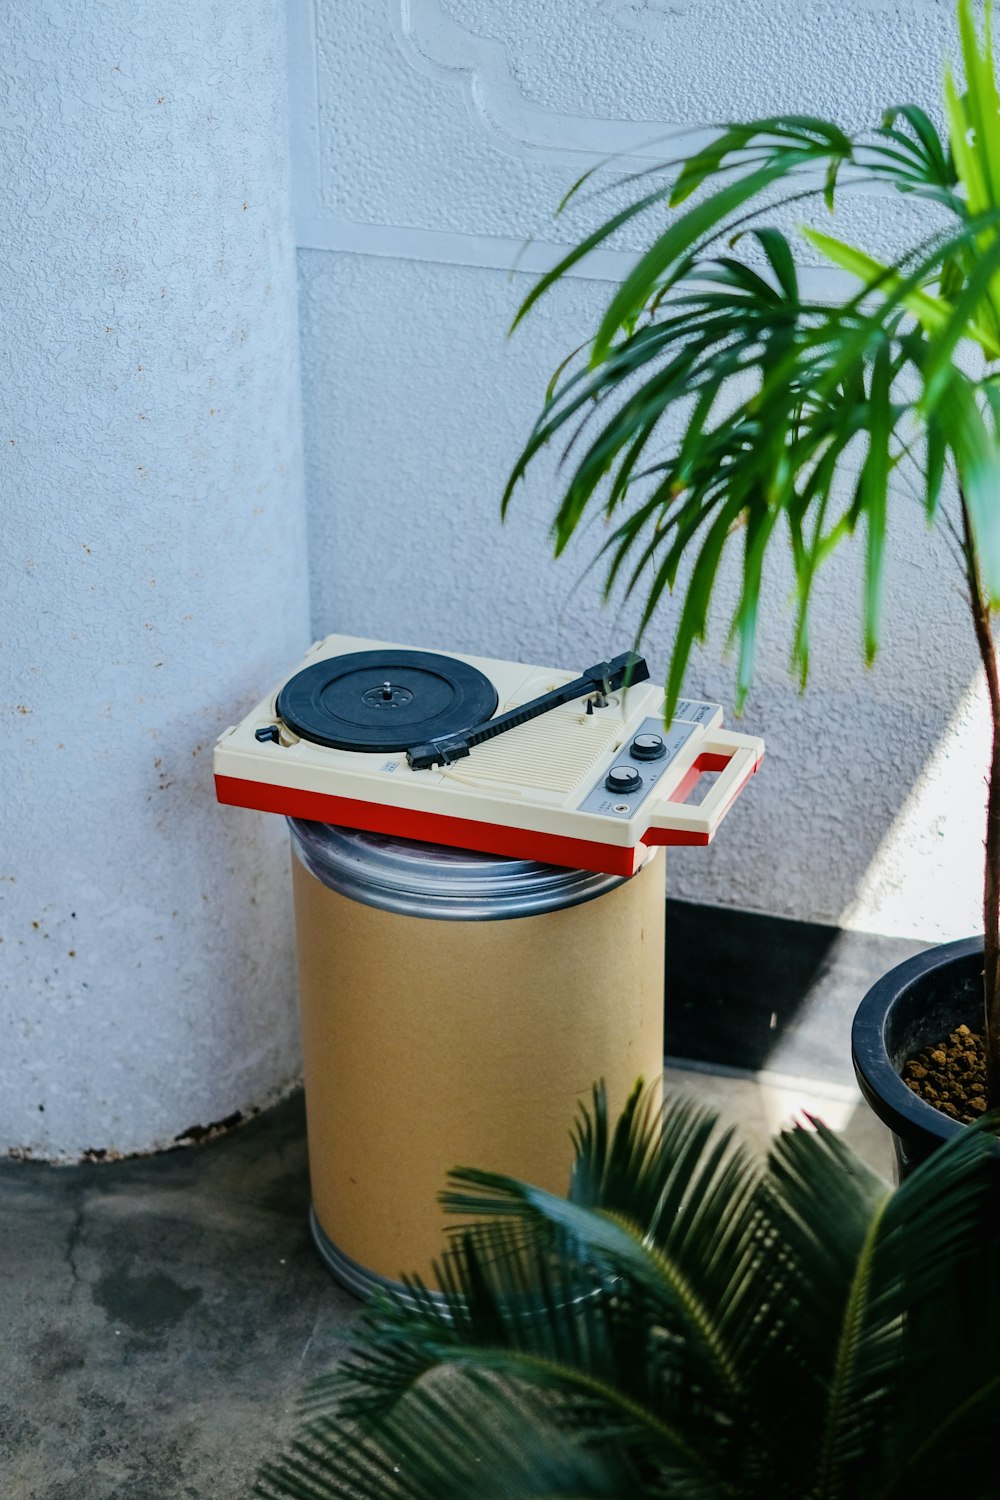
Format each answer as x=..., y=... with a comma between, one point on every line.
x=935, y=314
x=676, y=1209
x=805, y=136
x=780, y=258
x=927, y=147
x=760, y=523
x=976, y=445
x=689, y=332
x=510, y=1307
x=644, y=1340
x=862, y=1262
x=875, y=485
x=950, y=1380
x=457, y=1437
x=674, y=244
x=591, y=242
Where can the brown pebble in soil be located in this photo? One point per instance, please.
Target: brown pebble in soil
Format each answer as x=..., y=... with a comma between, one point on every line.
x=951, y=1075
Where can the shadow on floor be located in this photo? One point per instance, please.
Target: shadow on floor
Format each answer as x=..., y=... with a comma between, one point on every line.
x=749, y=991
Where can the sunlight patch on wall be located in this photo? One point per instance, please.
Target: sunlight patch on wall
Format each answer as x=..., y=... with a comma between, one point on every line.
x=926, y=877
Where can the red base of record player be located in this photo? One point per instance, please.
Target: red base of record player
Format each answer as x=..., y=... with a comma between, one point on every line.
x=467, y=833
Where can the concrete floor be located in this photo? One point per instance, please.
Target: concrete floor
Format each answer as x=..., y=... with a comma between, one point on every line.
x=161, y=1314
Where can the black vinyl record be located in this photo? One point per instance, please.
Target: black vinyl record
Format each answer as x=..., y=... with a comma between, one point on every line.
x=385, y=700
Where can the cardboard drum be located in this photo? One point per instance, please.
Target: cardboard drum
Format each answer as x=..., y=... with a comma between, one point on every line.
x=456, y=1009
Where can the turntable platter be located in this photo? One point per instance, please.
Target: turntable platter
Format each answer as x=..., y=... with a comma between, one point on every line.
x=385, y=700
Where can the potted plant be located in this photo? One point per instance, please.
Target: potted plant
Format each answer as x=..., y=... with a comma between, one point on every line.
x=717, y=407
x=689, y=1321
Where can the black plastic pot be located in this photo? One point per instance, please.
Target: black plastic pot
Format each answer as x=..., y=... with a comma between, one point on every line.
x=914, y=1005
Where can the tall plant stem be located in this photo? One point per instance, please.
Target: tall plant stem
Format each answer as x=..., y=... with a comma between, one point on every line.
x=991, y=882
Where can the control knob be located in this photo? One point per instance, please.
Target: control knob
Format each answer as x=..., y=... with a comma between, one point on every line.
x=623, y=779
x=648, y=747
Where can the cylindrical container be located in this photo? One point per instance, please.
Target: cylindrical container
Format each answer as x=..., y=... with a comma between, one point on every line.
x=456, y=1009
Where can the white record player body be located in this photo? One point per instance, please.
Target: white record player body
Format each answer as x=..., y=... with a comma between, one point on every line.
x=590, y=783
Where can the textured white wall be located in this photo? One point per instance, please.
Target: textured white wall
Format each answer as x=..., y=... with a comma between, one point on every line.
x=431, y=138
x=153, y=553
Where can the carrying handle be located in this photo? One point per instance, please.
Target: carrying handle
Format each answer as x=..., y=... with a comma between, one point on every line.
x=736, y=757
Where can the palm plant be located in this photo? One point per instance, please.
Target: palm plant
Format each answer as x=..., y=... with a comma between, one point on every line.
x=689, y=1321
x=717, y=407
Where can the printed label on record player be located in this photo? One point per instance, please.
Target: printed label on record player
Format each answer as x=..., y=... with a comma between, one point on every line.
x=697, y=713
x=391, y=765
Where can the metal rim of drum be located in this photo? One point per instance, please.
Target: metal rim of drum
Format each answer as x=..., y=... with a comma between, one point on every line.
x=358, y=1279
x=435, y=696
x=363, y=1283
x=434, y=880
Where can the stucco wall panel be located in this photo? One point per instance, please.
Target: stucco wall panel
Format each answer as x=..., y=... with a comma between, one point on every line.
x=154, y=567
x=472, y=119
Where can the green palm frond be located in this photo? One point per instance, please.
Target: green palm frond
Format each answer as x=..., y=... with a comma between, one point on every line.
x=864, y=1263
x=716, y=407
x=936, y=1443
x=424, y=1452
x=634, y=1339
x=907, y=151
x=644, y=1207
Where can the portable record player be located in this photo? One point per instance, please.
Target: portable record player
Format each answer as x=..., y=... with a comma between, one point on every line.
x=535, y=762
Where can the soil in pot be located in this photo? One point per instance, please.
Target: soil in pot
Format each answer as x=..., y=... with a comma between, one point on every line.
x=929, y=996
x=951, y=1075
